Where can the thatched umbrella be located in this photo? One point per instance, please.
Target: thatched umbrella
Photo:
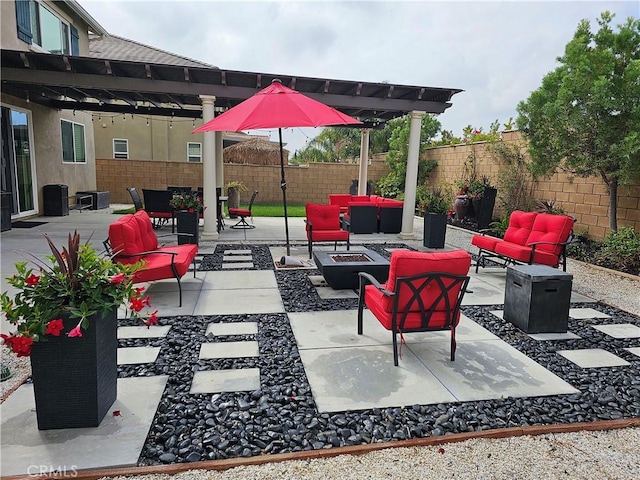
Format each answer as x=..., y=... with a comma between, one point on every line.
x=256, y=151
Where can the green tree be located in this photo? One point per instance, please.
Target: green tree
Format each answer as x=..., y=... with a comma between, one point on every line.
x=585, y=117
x=392, y=185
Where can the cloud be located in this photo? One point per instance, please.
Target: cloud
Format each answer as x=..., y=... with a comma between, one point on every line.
x=498, y=52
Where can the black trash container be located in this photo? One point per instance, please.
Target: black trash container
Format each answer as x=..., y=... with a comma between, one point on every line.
x=56, y=200
x=5, y=202
x=353, y=189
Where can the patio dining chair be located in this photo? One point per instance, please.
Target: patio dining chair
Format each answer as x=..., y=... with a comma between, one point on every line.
x=158, y=208
x=135, y=197
x=423, y=293
x=323, y=224
x=243, y=213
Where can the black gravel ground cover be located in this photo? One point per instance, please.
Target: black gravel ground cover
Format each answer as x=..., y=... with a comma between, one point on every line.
x=282, y=417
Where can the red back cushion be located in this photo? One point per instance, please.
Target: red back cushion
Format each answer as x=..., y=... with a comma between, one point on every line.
x=360, y=198
x=124, y=236
x=550, y=228
x=148, y=236
x=341, y=199
x=323, y=217
x=520, y=224
x=406, y=263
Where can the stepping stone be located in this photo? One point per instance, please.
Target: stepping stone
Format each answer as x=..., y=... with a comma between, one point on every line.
x=620, y=330
x=237, y=258
x=634, y=350
x=154, y=331
x=233, y=328
x=584, y=313
x=236, y=265
x=229, y=350
x=236, y=252
x=137, y=355
x=554, y=336
x=317, y=281
x=593, y=358
x=218, y=381
x=328, y=293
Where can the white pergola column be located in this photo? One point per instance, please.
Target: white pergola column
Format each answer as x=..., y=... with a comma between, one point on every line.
x=219, y=160
x=210, y=231
x=411, y=177
x=364, y=161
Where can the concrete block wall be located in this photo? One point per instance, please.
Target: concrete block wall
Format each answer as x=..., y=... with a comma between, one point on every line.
x=586, y=199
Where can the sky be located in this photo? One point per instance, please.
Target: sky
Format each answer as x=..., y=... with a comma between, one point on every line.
x=496, y=51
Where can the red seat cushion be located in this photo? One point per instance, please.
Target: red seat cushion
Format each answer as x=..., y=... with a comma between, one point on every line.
x=157, y=266
x=405, y=264
x=240, y=212
x=523, y=254
x=485, y=242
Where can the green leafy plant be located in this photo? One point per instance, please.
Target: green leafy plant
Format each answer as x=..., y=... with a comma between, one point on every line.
x=436, y=201
x=189, y=201
x=236, y=185
x=500, y=226
x=77, y=281
x=621, y=250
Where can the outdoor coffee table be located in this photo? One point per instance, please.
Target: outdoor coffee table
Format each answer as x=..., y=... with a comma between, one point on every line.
x=340, y=268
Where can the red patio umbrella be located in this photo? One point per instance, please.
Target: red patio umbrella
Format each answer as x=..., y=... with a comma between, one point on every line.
x=278, y=107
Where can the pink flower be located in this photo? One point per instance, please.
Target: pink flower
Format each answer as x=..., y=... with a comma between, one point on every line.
x=76, y=332
x=117, y=279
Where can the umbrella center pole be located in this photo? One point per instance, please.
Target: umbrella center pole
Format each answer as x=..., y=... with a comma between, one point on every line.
x=283, y=186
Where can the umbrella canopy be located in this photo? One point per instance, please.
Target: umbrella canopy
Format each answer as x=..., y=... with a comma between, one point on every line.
x=278, y=107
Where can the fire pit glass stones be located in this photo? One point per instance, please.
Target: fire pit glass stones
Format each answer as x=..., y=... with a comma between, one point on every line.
x=340, y=269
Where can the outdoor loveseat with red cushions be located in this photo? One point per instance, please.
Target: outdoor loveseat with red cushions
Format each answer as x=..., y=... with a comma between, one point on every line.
x=531, y=237
x=131, y=239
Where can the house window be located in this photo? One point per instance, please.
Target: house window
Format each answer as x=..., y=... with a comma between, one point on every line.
x=120, y=148
x=73, y=147
x=194, y=152
x=48, y=30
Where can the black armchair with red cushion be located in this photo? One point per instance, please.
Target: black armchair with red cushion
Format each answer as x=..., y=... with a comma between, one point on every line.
x=323, y=225
x=423, y=293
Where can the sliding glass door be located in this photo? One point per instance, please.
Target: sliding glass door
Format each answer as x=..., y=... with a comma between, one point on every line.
x=18, y=167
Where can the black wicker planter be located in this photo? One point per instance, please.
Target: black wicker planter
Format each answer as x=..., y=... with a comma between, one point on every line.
x=75, y=379
x=188, y=223
x=435, y=230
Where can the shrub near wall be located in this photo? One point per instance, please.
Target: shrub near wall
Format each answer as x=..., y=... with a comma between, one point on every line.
x=586, y=199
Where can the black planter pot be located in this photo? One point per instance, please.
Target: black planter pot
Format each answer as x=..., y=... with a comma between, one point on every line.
x=435, y=229
x=188, y=223
x=75, y=379
x=484, y=214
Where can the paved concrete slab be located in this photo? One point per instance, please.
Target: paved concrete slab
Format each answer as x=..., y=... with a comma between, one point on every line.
x=364, y=377
x=229, y=350
x=634, y=350
x=137, y=355
x=232, y=328
x=154, y=331
x=620, y=330
x=217, y=381
x=545, y=337
x=237, y=265
x=593, y=358
x=583, y=313
x=244, y=280
x=237, y=258
x=232, y=302
x=488, y=369
x=116, y=442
